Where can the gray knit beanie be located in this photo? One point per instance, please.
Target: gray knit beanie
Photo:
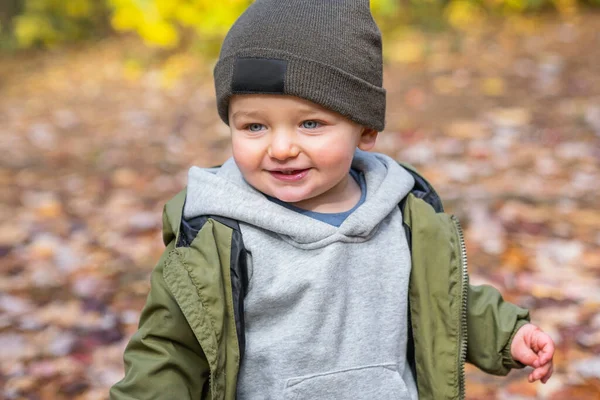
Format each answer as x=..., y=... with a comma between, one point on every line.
x=325, y=51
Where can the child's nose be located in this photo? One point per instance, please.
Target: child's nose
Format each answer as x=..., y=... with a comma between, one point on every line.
x=283, y=146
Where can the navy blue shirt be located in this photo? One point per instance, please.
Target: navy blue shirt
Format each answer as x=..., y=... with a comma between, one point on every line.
x=335, y=219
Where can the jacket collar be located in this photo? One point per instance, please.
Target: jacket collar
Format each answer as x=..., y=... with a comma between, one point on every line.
x=423, y=190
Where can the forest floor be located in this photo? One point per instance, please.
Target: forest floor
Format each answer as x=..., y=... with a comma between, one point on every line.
x=505, y=122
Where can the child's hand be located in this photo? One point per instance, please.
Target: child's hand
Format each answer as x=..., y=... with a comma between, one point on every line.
x=534, y=348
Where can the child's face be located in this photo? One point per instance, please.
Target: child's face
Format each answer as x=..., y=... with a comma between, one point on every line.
x=293, y=149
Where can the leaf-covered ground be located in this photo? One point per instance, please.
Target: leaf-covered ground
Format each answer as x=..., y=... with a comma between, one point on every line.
x=505, y=122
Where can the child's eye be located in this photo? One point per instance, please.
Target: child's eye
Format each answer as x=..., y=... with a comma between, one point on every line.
x=310, y=124
x=255, y=127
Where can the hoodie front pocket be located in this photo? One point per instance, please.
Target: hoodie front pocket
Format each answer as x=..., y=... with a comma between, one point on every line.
x=361, y=383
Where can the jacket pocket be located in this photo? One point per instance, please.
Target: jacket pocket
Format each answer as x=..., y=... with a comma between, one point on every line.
x=370, y=382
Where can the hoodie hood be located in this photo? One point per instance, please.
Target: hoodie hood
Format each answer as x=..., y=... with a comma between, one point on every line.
x=224, y=192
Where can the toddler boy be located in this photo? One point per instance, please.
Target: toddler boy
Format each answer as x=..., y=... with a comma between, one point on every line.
x=305, y=267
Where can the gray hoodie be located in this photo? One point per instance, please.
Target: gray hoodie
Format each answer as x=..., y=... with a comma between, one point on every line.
x=326, y=307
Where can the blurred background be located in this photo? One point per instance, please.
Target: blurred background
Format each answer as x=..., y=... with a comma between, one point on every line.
x=105, y=104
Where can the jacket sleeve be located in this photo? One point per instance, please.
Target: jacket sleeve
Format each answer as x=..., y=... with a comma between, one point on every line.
x=163, y=359
x=491, y=326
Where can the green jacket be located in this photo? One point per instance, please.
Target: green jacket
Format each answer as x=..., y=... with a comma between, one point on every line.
x=190, y=339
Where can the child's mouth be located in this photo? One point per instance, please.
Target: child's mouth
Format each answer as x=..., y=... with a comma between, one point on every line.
x=291, y=175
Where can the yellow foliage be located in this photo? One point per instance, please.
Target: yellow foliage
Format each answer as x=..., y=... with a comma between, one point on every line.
x=78, y=8
x=126, y=18
x=166, y=8
x=408, y=48
x=384, y=7
x=38, y=5
x=464, y=15
x=159, y=33
x=188, y=15
x=34, y=28
x=60, y=8
x=149, y=19
x=514, y=5
x=217, y=17
x=159, y=22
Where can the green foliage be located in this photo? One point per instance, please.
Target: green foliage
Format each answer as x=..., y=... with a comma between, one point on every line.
x=49, y=22
x=169, y=23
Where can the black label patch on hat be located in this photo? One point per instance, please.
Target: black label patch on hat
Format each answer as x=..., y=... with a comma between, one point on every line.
x=258, y=75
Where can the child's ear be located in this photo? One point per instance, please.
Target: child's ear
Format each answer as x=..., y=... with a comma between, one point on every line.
x=367, y=140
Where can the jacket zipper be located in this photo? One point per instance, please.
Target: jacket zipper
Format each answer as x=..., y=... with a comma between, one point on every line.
x=463, y=311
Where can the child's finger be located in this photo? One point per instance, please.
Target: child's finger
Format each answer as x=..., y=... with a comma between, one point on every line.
x=534, y=375
x=540, y=372
x=548, y=375
x=546, y=350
